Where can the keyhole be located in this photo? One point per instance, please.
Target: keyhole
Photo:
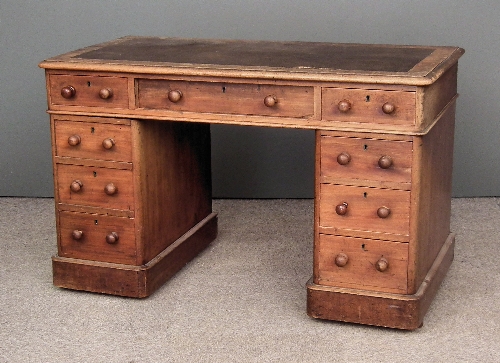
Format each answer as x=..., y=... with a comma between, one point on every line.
x=95, y=175
x=89, y=84
x=367, y=98
x=365, y=194
x=224, y=89
x=365, y=147
x=363, y=246
x=95, y=222
x=92, y=130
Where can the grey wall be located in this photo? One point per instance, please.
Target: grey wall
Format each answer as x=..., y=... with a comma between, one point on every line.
x=247, y=162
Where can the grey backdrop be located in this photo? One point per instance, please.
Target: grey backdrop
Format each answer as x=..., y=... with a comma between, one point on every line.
x=247, y=162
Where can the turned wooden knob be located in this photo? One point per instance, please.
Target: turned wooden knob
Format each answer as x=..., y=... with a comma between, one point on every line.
x=343, y=158
x=174, y=96
x=77, y=235
x=110, y=189
x=344, y=106
x=388, y=108
x=270, y=101
x=112, y=238
x=74, y=140
x=108, y=143
x=383, y=212
x=341, y=259
x=341, y=209
x=106, y=93
x=382, y=264
x=385, y=162
x=68, y=92
x=76, y=186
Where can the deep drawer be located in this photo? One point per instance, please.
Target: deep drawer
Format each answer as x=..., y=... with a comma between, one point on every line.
x=91, y=140
x=368, y=106
x=226, y=98
x=88, y=90
x=97, y=237
x=362, y=264
x=361, y=211
x=93, y=186
x=366, y=159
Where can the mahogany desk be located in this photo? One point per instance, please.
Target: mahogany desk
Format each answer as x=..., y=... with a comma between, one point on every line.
x=130, y=122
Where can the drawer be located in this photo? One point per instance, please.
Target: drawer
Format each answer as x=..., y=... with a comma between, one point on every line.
x=356, y=211
x=90, y=140
x=361, y=263
x=368, y=159
x=97, y=237
x=368, y=106
x=226, y=98
x=93, y=91
x=93, y=186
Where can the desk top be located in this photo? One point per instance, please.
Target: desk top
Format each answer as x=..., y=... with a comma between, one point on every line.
x=312, y=61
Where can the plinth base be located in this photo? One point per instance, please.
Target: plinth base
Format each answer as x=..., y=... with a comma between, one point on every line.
x=377, y=308
x=135, y=281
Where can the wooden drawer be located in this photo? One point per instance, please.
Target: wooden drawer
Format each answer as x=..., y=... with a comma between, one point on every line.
x=368, y=159
x=85, y=185
x=88, y=90
x=362, y=263
x=377, y=213
x=91, y=140
x=226, y=98
x=368, y=105
x=97, y=237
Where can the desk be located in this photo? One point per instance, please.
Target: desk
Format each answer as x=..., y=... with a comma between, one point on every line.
x=130, y=122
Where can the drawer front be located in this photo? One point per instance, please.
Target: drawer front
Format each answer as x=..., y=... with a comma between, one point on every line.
x=369, y=159
x=97, y=237
x=350, y=210
x=90, y=140
x=94, y=91
x=362, y=263
x=97, y=187
x=368, y=106
x=226, y=98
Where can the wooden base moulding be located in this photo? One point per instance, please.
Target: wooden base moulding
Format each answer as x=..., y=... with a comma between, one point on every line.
x=135, y=281
x=377, y=308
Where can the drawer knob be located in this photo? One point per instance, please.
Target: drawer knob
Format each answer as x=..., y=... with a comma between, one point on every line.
x=388, y=108
x=76, y=186
x=383, y=212
x=68, y=92
x=74, y=140
x=343, y=158
x=344, y=106
x=108, y=143
x=270, y=101
x=174, y=96
x=106, y=93
x=341, y=209
x=341, y=259
x=385, y=162
x=382, y=264
x=110, y=189
x=112, y=238
x=77, y=235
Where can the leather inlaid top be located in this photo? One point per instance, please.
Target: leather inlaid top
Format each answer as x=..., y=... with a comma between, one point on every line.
x=353, y=57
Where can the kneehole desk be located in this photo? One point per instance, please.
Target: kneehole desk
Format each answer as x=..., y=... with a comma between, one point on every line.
x=130, y=123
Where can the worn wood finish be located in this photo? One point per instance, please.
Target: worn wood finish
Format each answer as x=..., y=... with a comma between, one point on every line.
x=361, y=211
x=131, y=150
x=359, y=270
x=366, y=105
x=228, y=98
x=400, y=311
x=91, y=136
